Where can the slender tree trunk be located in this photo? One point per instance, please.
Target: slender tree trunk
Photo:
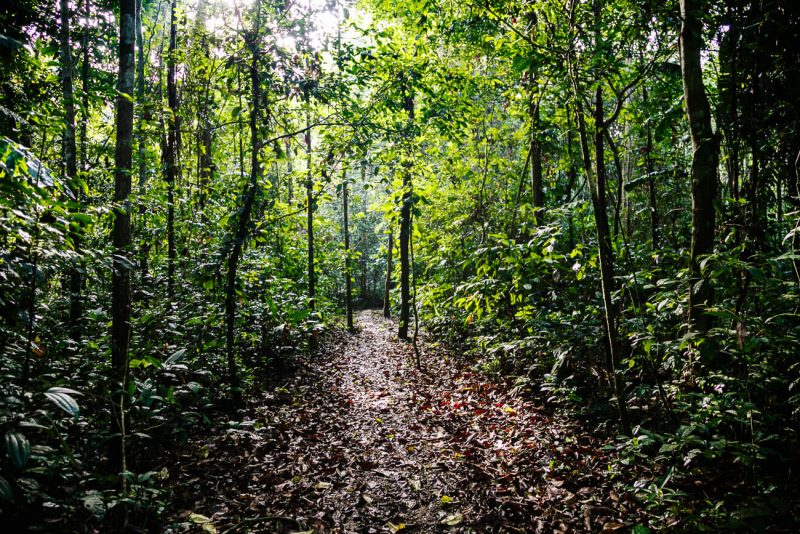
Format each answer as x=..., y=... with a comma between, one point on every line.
x=704, y=162
x=172, y=147
x=387, y=286
x=572, y=178
x=405, y=232
x=729, y=101
x=537, y=184
x=206, y=160
x=289, y=173
x=597, y=182
x=310, y=213
x=84, y=125
x=247, y=209
x=121, y=276
x=205, y=141
x=619, y=201
x=348, y=275
x=33, y=254
x=405, y=228
x=598, y=193
x=535, y=150
x=651, y=180
x=144, y=246
x=71, y=165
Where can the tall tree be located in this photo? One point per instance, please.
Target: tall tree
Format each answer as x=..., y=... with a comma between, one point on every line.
x=597, y=181
x=144, y=246
x=705, y=158
x=249, y=198
x=312, y=293
x=651, y=179
x=121, y=276
x=348, y=283
x=405, y=222
x=172, y=147
x=85, y=66
x=535, y=148
x=70, y=163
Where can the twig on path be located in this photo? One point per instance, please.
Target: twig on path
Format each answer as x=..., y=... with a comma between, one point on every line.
x=414, y=282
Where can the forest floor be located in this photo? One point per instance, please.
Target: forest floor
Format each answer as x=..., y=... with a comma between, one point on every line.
x=359, y=440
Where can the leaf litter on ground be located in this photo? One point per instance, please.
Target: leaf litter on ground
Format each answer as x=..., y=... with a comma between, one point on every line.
x=358, y=440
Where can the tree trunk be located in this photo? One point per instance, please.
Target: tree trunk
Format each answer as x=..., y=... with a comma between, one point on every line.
x=387, y=286
x=572, y=178
x=597, y=183
x=205, y=139
x=405, y=229
x=71, y=166
x=348, y=275
x=247, y=209
x=537, y=185
x=651, y=180
x=172, y=142
x=728, y=88
x=310, y=213
x=704, y=162
x=84, y=88
x=597, y=186
x=405, y=232
x=121, y=276
x=144, y=247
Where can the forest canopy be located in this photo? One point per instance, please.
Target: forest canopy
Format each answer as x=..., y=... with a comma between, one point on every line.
x=593, y=202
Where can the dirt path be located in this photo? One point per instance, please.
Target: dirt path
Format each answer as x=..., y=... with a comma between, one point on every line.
x=360, y=441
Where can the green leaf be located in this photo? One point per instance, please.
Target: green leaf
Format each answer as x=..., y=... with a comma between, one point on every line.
x=177, y=355
x=6, y=494
x=93, y=501
x=68, y=391
x=18, y=448
x=522, y=63
x=62, y=398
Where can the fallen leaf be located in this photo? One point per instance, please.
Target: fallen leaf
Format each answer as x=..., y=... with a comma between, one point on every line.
x=396, y=528
x=612, y=526
x=453, y=520
x=205, y=523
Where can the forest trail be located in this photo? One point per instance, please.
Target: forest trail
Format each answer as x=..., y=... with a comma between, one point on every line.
x=358, y=440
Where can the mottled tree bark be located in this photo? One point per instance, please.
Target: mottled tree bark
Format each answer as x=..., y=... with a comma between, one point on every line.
x=704, y=162
x=121, y=276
